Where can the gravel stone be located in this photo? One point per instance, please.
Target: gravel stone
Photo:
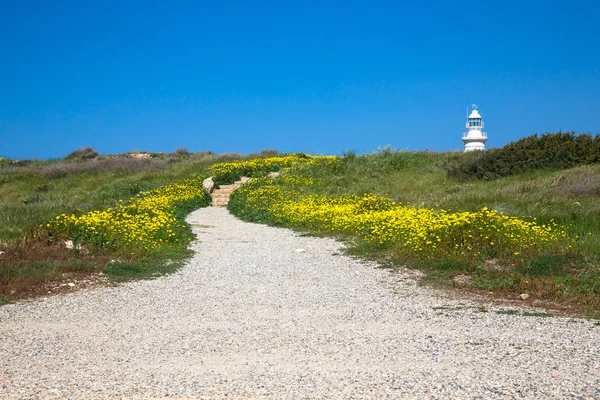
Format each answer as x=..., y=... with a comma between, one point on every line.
x=249, y=317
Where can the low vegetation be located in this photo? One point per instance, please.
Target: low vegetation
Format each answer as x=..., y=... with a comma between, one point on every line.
x=118, y=215
x=534, y=233
x=525, y=223
x=85, y=153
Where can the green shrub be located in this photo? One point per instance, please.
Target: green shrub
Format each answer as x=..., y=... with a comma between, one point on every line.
x=85, y=153
x=5, y=162
x=549, y=151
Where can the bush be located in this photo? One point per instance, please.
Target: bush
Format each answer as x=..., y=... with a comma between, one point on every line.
x=549, y=151
x=85, y=153
x=265, y=153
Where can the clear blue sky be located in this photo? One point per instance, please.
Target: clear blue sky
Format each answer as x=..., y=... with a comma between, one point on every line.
x=320, y=77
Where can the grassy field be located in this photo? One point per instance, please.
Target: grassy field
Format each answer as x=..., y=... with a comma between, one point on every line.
x=568, y=197
x=34, y=192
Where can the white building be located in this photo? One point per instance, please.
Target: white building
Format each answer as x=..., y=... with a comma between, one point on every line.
x=474, y=137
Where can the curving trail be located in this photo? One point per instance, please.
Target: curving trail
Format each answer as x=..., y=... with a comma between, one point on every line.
x=262, y=312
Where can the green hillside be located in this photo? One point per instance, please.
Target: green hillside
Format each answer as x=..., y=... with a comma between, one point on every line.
x=512, y=221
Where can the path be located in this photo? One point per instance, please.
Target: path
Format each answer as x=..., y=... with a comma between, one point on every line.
x=254, y=316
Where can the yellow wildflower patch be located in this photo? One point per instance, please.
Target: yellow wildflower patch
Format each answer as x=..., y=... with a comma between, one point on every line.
x=229, y=171
x=147, y=221
x=423, y=233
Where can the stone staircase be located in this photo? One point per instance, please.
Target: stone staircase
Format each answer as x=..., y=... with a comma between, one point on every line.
x=220, y=196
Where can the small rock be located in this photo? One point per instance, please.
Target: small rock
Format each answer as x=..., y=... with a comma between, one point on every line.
x=273, y=174
x=140, y=156
x=524, y=296
x=495, y=265
x=245, y=179
x=463, y=279
x=2, y=253
x=71, y=284
x=208, y=184
x=69, y=244
x=300, y=250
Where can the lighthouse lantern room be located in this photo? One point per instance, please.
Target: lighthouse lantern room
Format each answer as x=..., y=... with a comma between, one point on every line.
x=474, y=137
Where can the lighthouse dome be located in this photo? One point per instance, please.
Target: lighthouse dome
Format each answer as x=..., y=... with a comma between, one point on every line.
x=474, y=114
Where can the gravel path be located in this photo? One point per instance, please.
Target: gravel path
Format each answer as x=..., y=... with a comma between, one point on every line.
x=262, y=312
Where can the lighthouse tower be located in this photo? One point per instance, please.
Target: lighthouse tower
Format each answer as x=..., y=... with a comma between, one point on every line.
x=474, y=137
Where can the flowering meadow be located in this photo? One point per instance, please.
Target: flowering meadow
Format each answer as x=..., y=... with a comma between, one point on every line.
x=151, y=220
x=155, y=219
x=522, y=234
x=465, y=241
x=228, y=172
x=418, y=233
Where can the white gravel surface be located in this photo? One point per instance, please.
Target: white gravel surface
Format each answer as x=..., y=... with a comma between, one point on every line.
x=253, y=316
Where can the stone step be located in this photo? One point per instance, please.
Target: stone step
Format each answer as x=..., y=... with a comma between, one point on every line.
x=220, y=196
x=223, y=191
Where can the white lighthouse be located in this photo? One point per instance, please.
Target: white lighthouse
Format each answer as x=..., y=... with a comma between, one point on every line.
x=474, y=137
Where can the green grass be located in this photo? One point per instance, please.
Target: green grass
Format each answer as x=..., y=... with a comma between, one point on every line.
x=80, y=191
x=524, y=313
x=33, y=192
x=537, y=314
x=507, y=312
x=569, y=197
x=460, y=307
